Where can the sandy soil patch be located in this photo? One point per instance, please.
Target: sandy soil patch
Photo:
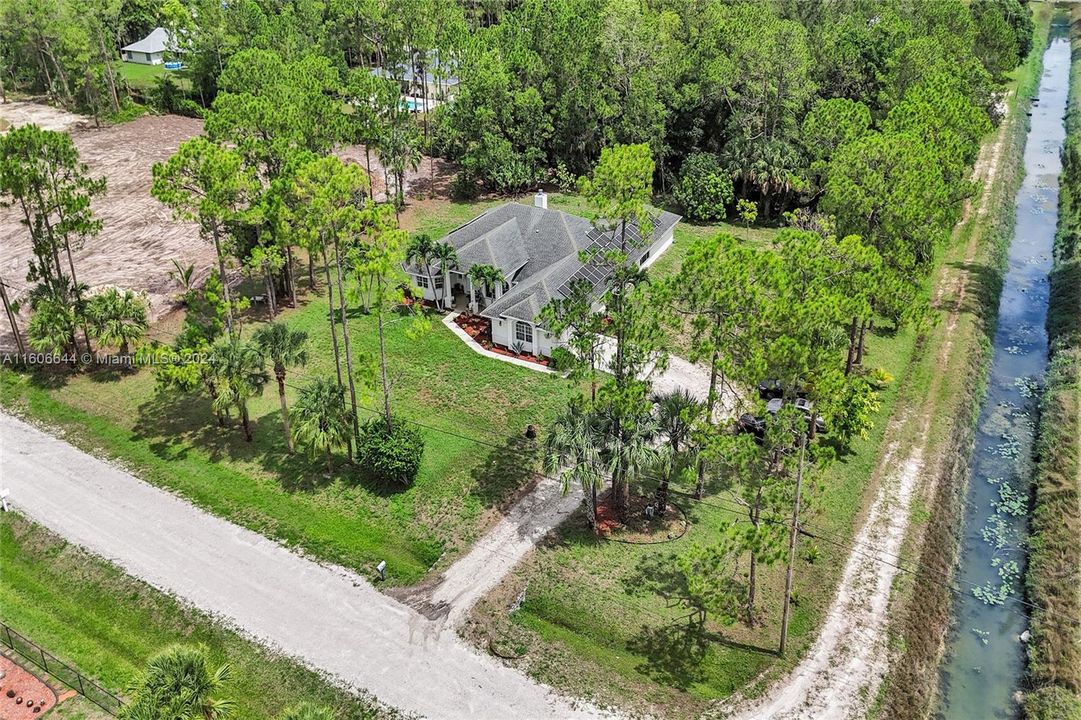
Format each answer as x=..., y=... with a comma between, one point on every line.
x=140, y=238
x=24, y=113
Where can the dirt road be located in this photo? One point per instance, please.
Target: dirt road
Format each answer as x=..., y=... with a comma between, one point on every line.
x=328, y=617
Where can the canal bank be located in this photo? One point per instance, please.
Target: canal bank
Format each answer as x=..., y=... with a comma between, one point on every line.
x=1053, y=582
x=984, y=659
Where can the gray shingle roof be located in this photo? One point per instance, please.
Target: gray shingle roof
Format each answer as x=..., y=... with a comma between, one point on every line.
x=553, y=241
x=501, y=247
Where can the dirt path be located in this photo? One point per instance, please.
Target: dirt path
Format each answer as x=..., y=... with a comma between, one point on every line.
x=328, y=617
x=842, y=673
x=450, y=598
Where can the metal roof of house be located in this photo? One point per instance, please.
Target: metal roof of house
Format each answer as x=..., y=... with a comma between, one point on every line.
x=554, y=240
x=157, y=41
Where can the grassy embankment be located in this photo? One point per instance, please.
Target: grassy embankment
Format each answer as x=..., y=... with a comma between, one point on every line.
x=1053, y=581
x=920, y=605
x=107, y=624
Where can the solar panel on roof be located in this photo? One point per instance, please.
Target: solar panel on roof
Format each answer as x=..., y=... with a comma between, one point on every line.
x=601, y=241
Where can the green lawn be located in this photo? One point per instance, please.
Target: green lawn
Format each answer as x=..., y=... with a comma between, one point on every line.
x=476, y=410
x=107, y=624
x=144, y=77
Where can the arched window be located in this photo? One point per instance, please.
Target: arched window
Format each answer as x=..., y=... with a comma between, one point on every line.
x=523, y=333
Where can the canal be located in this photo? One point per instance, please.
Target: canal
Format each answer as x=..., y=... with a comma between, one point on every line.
x=984, y=662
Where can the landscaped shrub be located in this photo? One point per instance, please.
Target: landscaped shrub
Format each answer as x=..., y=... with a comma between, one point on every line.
x=704, y=188
x=392, y=456
x=562, y=359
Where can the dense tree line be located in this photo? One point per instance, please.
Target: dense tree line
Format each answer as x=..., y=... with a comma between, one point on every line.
x=546, y=85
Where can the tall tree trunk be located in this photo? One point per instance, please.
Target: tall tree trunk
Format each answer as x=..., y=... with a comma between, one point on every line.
x=345, y=341
x=333, y=322
x=110, y=77
x=245, y=421
x=216, y=233
x=711, y=404
x=859, y=348
x=851, y=346
x=383, y=370
x=285, y=410
x=271, y=300
x=11, y=318
x=290, y=277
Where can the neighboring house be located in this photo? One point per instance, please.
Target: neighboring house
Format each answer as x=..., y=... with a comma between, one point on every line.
x=440, y=83
x=537, y=250
x=150, y=50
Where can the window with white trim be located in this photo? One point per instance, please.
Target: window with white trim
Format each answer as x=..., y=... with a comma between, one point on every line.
x=523, y=333
x=422, y=281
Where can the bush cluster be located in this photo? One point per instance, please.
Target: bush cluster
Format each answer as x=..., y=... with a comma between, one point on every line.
x=390, y=456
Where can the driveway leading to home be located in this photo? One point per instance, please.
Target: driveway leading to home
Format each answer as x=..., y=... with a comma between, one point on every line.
x=470, y=577
x=328, y=617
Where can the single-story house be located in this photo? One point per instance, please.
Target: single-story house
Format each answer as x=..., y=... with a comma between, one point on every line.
x=151, y=49
x=537, y=250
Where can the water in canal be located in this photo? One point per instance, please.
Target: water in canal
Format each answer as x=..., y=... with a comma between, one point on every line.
x=985, y=656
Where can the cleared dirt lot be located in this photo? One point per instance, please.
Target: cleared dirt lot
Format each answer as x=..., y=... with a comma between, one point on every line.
x=140, y=238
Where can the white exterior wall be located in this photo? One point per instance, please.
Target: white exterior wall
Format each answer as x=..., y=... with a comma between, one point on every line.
x=143, y=58
x=503, y=334
x=657, y=249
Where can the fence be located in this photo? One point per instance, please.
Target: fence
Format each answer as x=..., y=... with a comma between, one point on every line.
x=61, y=671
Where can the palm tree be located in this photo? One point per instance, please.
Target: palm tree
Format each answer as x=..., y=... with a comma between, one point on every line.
x=240, y=373
x=321, y=421
x=676, y=414
x=447, y=258
x=285, y=349
x=630, y=453
x=573, y=449
x=307, y=711
x=485, y=277
x=117, y=318
x=419, y=253
x=180, y=682
x=52, y=324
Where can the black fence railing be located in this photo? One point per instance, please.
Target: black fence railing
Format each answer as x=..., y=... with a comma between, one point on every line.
x=60, y=670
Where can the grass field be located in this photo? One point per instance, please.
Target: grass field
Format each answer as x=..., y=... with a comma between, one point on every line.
x=103, y=622
x=475, y=410
x=144, y=77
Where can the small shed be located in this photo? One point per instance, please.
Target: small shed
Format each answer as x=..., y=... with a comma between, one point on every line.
x=150, y=50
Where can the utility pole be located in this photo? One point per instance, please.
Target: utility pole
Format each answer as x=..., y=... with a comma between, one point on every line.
x=11, y=317
x=793, y=533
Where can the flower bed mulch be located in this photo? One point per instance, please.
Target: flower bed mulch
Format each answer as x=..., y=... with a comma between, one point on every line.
x=22, y=694
x=639, y=528
x=480, y=329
